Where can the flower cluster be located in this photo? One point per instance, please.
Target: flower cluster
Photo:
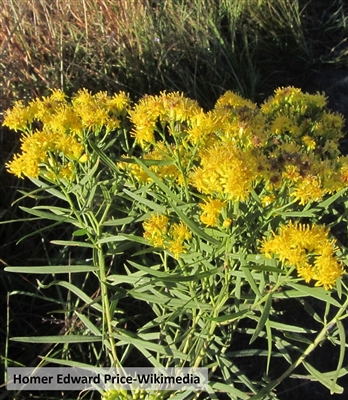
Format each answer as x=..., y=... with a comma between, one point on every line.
x=309, y=249
x=153, y=113
x=58, y=142
x=226, y=172
x=238, y=152
x=288, y=145
x=211, y=211
x=161, y=233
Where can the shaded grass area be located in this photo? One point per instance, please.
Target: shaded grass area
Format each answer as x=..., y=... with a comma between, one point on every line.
x=202, y=48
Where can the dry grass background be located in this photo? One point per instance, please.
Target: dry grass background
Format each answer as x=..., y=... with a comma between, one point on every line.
x=201, y=47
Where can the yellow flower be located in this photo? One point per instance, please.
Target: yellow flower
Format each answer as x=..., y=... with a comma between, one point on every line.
x=309, y=142
x=326, y=270
x=308, y=190
x=309, y=249
x=180, y=232
x=267, y=200
x=166, y=108
x=227, y=171
x=155, y=229
x=23, y=165
x=176, y=247
x=19, y=116
x=119, y=103
x=231, y=100
x=211, y=211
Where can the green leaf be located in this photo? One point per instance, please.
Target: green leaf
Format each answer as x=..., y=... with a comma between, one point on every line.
x=169, y=301
x=326, y=203
x=193, y=226
x=106, y=160
x=216, y=387
x=148, y=203
x=52, y=269
x=72, y=243
x=298, y=214
x=49, y=189
x=316, y=292
x=323, y=379
x=158, y=182
x=227, y=319
x=249, y=277
x=58, y=339
x=89, y=324
x=79, y=232
x=264, y=317
x=269, y=344
x=77, y=291
x=51, y=216
x=70, y=363
x=342, y=341
x=165, y=277
x=290, y=328
x=119, y=221
x=125, y=337
x=114, y=238
x=55, y=210
x=90, y=174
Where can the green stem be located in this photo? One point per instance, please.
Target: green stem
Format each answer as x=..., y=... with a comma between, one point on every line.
x=99, y=260
x=106, y=304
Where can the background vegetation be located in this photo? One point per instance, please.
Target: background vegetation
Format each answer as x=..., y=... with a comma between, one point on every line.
x=202, y=48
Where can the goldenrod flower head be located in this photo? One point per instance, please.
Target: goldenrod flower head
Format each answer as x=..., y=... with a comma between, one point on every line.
x=19, y=116
x=298, y=245
x=309, y=142
x=180, y=232
x=232, y=101
x=176, y=247
x=156, y=228
x=290, y=100
x=292, y=173
x=227, y=171
x=166, y=108
x=267, y=200
x=160, y=233
x=23, y=165
x=99, y=110
x=47, y=106
x=202, y=128
x=309, y=189
x=119, y=103
x=329, y=126
x=211, y=211
x=58, y=96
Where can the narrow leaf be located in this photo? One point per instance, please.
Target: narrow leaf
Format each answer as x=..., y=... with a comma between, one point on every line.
x=72, y=243
x=316, y=292
x=342, y=334
x=324, y=380
x=58, y=339
x=89, y=324
x=264, y=317
x=148, y=203
x=52, y=269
